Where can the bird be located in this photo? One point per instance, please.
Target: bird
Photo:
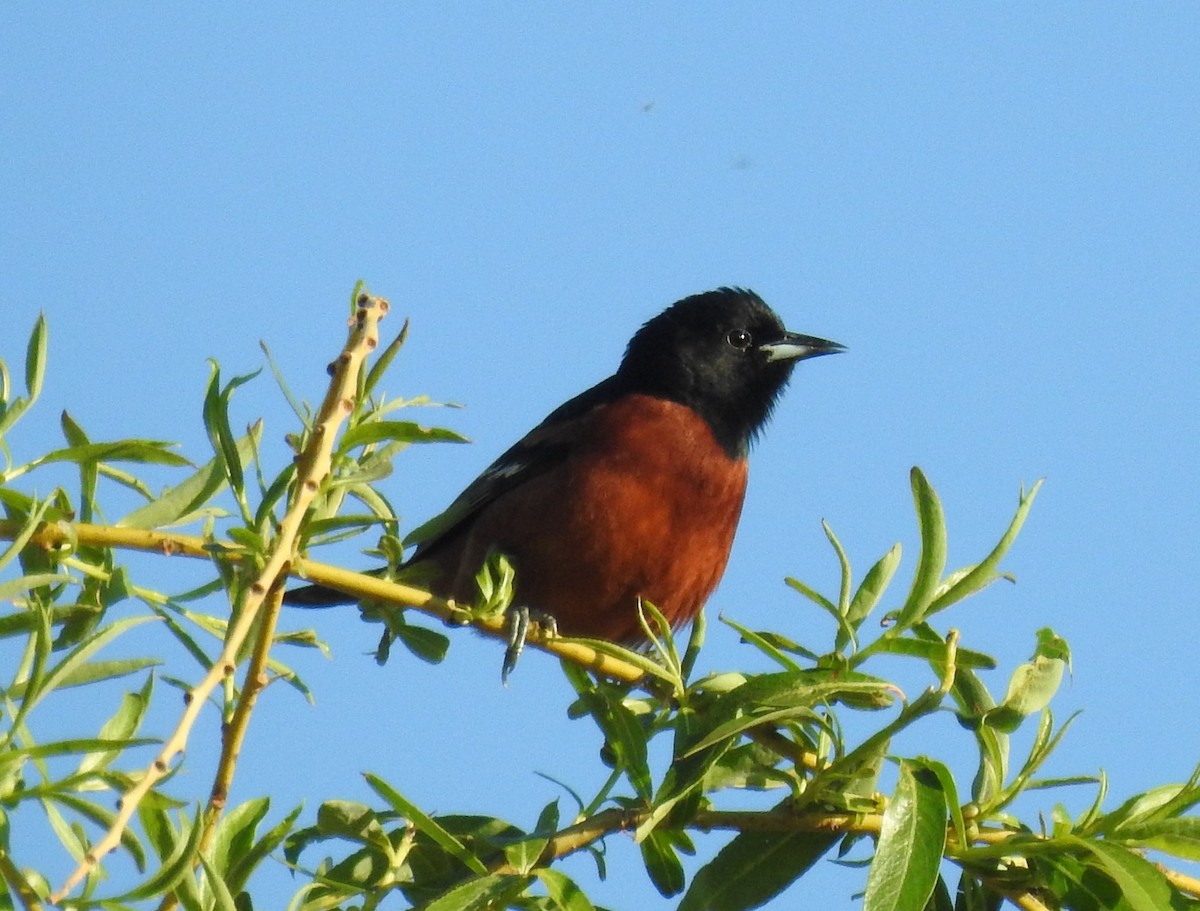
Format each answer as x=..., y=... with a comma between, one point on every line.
x=631, y=489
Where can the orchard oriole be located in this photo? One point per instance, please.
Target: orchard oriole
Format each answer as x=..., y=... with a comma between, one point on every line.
x=632, y=488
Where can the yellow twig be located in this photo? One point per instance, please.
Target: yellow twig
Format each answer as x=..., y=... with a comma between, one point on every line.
x=56, y=535
x=1181, y=881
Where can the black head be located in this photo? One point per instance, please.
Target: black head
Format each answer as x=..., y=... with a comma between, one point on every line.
x=723, y=353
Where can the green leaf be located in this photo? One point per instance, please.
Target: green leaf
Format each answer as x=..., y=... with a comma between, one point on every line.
x=396, y=431
x=75, y=746
x=424, y=643
x=932, y=562
x=35, y=358
x=222, y=898
x=563, y=892
x=940, y=900
x=72, y=669
x=382, y=362
x=486, y=893
x=797, y=692
x=662, y=863
x=874, y=584
x=623, y=733
x=950, y=794
x=1180, y=836
x=14, y=588
x=191, y=494
x=103, y=818
x=1141, y=884
x=240, y=866
x=123, y=724
x=425, y=823
x=753, y=868
x=1032, y=685
x=216, y=423
x=350, y=820
x=765, y=642
x=176, y=866
x=843, y=605
x=148, y=452
x=932, y=651
x=987, y=572
x=235, y=832
x=911, y=841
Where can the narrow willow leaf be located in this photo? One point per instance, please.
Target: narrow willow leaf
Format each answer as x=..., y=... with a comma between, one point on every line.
x=1140, y=882
x=35, y=358
x=950, y=792
x=14, y=588
x=396, y=431
x=189, y=495
x=932, y=561
x=103, y=818
x=940, y=900
x=94, y=671
x=932, y=652
x=222, y=898
x=70, y=667
x=624, y=736
x=563, y=891
x=662, y=863
x=1180, y=836
x=911, y=841
x=240, y=866
x=987, y=571
x=176, y=866
x=1141, y=808
x=216, y=423
x=379, y=368
x=874, y=584
x=425, y=823
x=847, y=578
x=753, y=868
x=123, y=724
x=814, y=596
x=764, y=644
x=148, y=452
x=77, y=745
x=235, y=832
x=746, y=722
x=491, y=891
x=803, y=688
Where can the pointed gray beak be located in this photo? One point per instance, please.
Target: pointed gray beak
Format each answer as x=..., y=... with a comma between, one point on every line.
x=796, y=347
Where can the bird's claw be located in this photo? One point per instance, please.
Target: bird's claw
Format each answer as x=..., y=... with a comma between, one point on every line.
x=518, y=620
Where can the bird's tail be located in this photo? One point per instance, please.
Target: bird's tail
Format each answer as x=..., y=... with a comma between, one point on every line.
x=311, y=596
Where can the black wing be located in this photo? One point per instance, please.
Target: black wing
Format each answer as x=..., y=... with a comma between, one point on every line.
x=547, y=445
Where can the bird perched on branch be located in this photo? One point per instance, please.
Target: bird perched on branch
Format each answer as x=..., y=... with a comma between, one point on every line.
x=632, y=488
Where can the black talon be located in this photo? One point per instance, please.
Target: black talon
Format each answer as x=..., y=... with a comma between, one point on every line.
x=518, y=629
x=518, y=619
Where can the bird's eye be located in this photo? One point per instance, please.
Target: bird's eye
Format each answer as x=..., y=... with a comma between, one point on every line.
x=740, y=339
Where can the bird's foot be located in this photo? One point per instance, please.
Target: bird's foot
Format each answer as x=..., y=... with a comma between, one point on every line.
x=517, y=620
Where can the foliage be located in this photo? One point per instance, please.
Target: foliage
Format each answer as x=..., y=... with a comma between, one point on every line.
x=765, y=756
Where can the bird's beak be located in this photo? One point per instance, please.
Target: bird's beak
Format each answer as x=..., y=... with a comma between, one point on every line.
x=796, y=347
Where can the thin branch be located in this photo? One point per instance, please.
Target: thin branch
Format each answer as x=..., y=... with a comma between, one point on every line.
x=1181, y=881
x=53, y=536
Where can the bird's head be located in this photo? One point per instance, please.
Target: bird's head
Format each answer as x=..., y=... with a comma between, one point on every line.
x=725, y=354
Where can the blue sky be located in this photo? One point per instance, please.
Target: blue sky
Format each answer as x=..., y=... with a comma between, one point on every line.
x=996, y=207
